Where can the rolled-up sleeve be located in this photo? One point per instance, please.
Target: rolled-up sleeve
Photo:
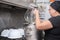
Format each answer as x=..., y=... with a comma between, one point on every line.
x=55, y=21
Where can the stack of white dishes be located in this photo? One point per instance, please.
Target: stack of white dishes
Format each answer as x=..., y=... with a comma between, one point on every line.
x=13, y=33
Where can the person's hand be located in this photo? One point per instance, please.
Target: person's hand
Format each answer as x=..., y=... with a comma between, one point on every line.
x=36, y=11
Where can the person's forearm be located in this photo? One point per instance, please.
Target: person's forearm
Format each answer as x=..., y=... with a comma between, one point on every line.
x=37, y=21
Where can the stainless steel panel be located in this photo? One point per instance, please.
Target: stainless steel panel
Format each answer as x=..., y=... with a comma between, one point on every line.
x=19, y=3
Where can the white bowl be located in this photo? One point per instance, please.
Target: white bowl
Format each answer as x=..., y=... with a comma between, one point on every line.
x=5, y=33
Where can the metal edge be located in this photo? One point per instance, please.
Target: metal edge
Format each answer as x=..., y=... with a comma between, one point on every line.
x=9, y=3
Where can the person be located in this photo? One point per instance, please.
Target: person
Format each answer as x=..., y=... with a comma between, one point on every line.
x=51, y=26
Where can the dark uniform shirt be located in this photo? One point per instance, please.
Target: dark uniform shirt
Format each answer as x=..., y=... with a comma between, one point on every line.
x=54, y=33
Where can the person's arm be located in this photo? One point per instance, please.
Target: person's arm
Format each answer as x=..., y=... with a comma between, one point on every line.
x=45, y=25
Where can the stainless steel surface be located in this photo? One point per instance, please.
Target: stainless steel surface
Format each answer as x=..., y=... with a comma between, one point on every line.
x=14, y=17
x=19, y=3
x=11, y=18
